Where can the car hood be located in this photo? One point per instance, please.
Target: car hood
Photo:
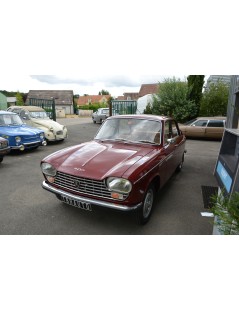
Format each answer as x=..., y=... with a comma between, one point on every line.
x=47, y=123
x=19, y=130
x=96, y=160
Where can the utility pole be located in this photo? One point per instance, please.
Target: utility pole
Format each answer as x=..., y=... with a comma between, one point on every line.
x=233, y=103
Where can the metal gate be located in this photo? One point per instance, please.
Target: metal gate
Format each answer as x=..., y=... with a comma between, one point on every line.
x=124, y=107
x=48, y=105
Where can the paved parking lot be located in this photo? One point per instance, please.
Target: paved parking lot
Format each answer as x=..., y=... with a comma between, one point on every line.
x=25, y=208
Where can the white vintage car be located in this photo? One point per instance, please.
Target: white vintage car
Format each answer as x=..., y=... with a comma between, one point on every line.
x=37, y=117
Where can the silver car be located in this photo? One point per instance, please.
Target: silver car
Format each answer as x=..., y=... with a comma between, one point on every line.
x=100, y=115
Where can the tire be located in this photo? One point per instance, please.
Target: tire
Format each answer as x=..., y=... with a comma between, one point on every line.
x=1, y=159
x=144, y=213
x=180, y=166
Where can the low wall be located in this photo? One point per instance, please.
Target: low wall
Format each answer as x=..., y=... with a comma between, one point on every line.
x=85, y=112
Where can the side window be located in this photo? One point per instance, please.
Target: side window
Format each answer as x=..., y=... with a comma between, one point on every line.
x=200, y=123
x=24, y=115
x=166, y=131
x=16, y=111
x=175, y=131
x=215, y=123
x=170, y=130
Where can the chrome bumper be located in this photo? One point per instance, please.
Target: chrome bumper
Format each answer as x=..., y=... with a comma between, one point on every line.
x=89, y=200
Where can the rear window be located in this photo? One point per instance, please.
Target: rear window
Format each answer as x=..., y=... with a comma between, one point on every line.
x=215, y=123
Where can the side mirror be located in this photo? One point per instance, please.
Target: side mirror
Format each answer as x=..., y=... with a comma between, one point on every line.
x=171, y=141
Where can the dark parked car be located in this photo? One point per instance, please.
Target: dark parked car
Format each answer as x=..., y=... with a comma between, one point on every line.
x=4, y=148
x=19, y=135
x=204, y=127
x=130, y=158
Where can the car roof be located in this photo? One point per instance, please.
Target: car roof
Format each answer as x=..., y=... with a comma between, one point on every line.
x=6, y=112
x=211, y=118
x=143, y=116
x=30, y=108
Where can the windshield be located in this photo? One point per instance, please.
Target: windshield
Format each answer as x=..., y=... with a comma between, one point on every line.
x=131, y=129
x=10, y=119
x=38, y=114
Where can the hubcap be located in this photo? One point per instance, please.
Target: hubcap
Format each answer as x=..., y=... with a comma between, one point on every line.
x=148, y=203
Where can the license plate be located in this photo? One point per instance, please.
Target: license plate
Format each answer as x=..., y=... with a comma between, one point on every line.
x=75, y=203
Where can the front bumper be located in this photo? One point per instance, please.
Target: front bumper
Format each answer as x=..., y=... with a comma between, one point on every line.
x=100, y=203
x=24, y=146
x=5, y=151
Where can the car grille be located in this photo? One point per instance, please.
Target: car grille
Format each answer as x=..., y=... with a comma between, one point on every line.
x=3, y=144
x=60, y=132
x=29, y=139
x=90, y=187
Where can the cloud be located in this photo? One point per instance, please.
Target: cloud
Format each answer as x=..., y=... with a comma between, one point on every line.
x=108, y=81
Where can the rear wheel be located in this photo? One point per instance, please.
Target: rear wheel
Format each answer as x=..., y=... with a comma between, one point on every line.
x=144, y=213
x=1, y=159
x=180, y=166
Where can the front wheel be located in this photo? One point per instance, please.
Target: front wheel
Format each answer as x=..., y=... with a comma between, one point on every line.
x=144, y=213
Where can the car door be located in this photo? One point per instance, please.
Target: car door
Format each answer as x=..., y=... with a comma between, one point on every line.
x=197, y=129
x=171, y=144
x=214, y=129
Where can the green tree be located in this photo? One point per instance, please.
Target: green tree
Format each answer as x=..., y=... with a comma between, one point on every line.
x=215, y=99
x=195, y=86
x=19, y=99
x=172, y=100
x=103, y=92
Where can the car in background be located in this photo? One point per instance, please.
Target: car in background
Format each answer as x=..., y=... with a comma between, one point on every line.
x=4, y=148
x=100, y=115
x=130, y=158
x=37, y=117
x=204, y=127
x=19, y=135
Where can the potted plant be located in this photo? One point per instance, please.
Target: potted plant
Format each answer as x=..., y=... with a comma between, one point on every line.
x=226, y=212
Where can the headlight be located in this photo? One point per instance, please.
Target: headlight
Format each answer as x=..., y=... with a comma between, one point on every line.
x=42, y=135
x=18, y=139
x=5, y=136
x=48, y=169
x=119, y=185
x=51, y=129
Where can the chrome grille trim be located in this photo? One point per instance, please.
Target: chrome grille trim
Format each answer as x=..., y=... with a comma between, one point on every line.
x=80, y=185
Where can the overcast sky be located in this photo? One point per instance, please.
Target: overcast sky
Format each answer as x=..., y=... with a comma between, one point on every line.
x=92, y=45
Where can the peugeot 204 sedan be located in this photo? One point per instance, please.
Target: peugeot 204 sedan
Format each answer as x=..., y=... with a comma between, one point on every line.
x=19, y=135
x=130, y=158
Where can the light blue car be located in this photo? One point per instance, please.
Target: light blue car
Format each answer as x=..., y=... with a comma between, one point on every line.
x=19, y=135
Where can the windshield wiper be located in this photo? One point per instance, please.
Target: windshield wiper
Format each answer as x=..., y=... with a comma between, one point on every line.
x=146, y=141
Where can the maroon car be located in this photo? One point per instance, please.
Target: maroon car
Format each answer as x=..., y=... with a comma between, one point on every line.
x=130, y=158
x=4, y=148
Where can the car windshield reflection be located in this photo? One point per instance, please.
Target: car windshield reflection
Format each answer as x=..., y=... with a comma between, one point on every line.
x=130, y=130
x=38, y=114
x=10, y=119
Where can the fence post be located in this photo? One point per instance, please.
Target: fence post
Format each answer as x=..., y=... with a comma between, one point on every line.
x=54, y=109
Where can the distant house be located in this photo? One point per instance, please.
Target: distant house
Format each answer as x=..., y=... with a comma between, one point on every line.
x=130, y=96
x=11, y=101
x=91, y=99
x=145, y=89
x=148, y=89
x=63, y=98
x=216, y=78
